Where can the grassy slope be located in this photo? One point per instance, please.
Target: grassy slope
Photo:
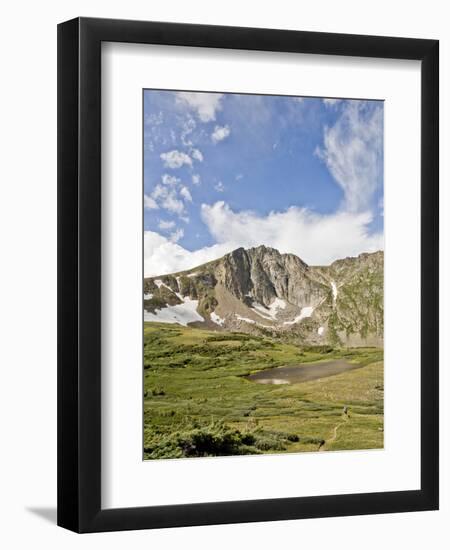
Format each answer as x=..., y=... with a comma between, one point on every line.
x=197, y=403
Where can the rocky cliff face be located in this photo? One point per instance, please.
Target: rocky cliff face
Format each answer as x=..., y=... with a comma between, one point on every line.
x=261, y=290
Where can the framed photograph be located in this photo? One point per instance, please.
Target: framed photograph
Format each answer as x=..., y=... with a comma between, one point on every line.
x=247, y=275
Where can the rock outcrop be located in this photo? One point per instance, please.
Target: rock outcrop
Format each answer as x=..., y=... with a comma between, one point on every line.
x=261, y=290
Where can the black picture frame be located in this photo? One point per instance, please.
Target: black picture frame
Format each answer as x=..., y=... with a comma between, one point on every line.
x=79, y=274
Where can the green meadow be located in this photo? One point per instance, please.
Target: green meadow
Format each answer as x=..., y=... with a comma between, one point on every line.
x=198, y=401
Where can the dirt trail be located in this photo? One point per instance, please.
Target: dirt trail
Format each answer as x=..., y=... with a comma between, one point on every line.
x=334, y=436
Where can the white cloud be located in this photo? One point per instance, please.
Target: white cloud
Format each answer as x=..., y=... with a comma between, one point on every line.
x=169, y=195
x=196, y=179
x=381, y=206
x=154, y=119
x=167, y=179
x=167, y=198
x=352, y=152
x=162, y=256
x=172, y=204
x=197, y=155
x=204, y=104
x=159, y=192
x=176, y=235
x=220, y=133
x=163, y=224
x=310, y=236
x=175, y=159
x=150, y=203
x=239, y=177
x=220, y=188
x=317, y=239
x=186, y=194
x=188, y=125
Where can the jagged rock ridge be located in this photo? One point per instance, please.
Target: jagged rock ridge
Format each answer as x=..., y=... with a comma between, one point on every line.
x=261, y=290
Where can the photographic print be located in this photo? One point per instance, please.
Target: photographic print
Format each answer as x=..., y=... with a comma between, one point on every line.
x=263, y=269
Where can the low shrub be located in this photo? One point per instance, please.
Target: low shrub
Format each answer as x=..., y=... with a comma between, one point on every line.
x=214, y=439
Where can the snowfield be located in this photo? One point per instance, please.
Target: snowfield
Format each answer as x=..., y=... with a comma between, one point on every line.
x=216, y=319
x=271, y=312
x=159, y=284
x=305, y=312
x=247, y=320
x=334, y=290
x=181, y=313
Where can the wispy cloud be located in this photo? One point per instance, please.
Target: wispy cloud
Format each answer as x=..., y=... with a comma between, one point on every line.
x=164, y=224
x=176, y=235
x=187, y=127
x=154, y=119
x=205, y=105
x=197, y=155
x=352, y=151
x=186, y=194
x=175, y=159
x=381, y=206
x=166, y=198
x=167, y=179
x=219, y=187
x=330, y=102
x=220, y=133
x=150, y=203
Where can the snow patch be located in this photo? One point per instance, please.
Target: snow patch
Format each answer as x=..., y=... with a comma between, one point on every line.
x=148, y=296
x=216, y=319
x=246, y=319
x=261, y=311
x=305, y=312
x=320, y=331
x=251, y=321
x=278, y=303
x=181, y=313
x=270, y=312
x=177, y=293
x=334, y=290
x=159, y=284
x=193, y=274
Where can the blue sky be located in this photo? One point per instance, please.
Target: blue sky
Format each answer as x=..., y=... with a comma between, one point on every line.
x=304, y=175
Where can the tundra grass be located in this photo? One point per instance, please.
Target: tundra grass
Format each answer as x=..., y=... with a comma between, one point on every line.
x=198, y=401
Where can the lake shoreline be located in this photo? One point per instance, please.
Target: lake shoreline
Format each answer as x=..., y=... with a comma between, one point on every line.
x=304, y=372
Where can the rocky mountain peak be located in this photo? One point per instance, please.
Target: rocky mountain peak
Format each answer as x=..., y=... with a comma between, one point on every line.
x=261, y=287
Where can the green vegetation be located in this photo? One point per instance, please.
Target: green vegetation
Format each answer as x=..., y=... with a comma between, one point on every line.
x=198, y=401
x=360, y=306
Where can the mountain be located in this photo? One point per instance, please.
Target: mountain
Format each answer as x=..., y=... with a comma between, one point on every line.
x=260, y=290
